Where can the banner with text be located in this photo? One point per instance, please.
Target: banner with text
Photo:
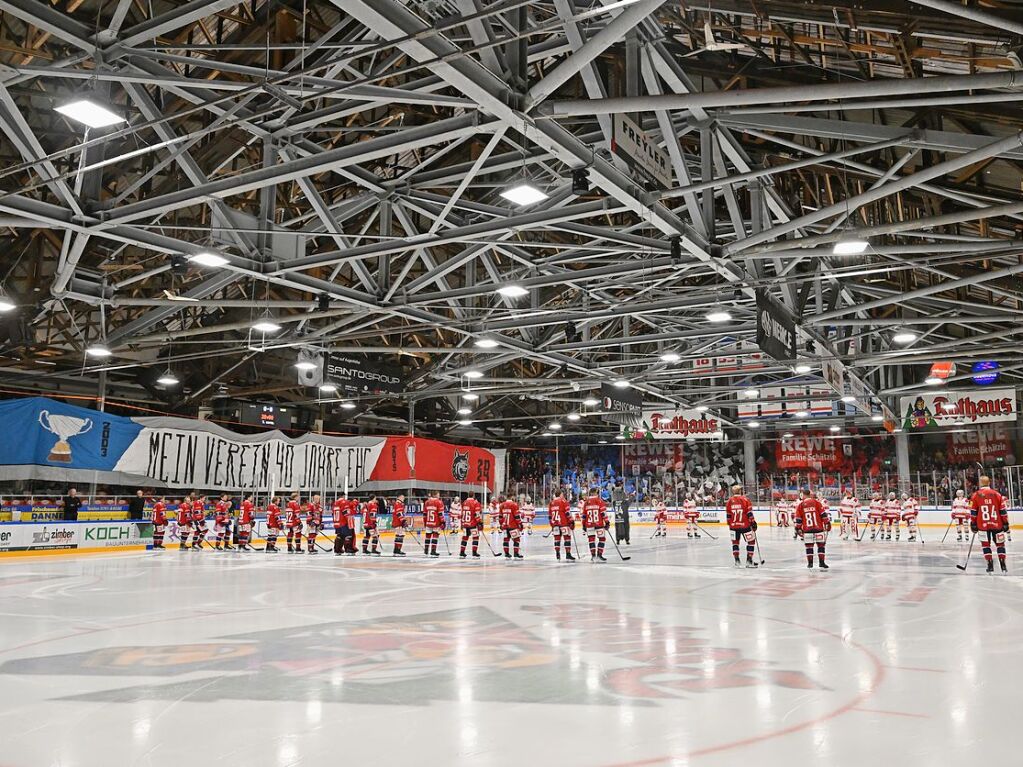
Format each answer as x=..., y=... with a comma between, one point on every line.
x=65, y=443
x=808, y=451
x=957, y=408
x=670, y=423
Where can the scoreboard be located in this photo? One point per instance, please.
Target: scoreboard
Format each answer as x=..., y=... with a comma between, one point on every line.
x=271, y=416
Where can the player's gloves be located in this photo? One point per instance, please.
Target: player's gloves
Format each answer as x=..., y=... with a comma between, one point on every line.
x=753, y=524
x=1005, y=526
x=973, y=525
x=827, y=525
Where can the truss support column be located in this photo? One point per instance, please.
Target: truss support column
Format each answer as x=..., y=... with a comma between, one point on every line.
x=902, y=455
x=749, y=461
x=706, y=176
x=384, y=262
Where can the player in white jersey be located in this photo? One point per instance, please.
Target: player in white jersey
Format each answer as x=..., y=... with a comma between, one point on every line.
x=849, y=511
x=528, y=511
x=910, y=512
x=875, y=516
x=961, y=515
x=455, y=510
x=783, y=512
x=661, y=518
x=692, y=516
x=892, y=515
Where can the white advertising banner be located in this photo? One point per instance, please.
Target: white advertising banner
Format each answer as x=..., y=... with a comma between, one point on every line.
x=672, y=423
x=935, y=410
x=50, y=536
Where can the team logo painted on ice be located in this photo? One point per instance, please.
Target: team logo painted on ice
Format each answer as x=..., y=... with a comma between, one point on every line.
x=359, y=662
x=460, y=466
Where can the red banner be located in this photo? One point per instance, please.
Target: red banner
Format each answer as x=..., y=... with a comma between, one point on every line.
x=982, y=443
x=426, y=463
x=808, y=451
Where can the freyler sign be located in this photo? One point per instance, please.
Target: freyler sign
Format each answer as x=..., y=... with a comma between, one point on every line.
x=641, y=660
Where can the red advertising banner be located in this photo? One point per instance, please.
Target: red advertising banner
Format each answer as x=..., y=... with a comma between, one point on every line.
x=426, y=463
x=980, y=444
x=808, y=451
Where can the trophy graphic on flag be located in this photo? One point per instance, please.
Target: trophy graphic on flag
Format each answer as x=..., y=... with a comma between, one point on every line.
x=410, y=455
x=64, y=427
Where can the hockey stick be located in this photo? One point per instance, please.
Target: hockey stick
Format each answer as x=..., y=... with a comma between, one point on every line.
x=946, y=530
x=756, y=539
x=705, y=532
x=863, y=532
x=968, y=552
x=615, y=543
x=446, y=544
x=486, y=540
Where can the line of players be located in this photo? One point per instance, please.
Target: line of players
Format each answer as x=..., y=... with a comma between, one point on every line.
x=301, y=522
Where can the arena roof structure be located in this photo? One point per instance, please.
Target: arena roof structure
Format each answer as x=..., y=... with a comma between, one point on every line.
x=523, y=200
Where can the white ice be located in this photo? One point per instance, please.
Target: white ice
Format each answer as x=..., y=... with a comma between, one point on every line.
x=673, y=658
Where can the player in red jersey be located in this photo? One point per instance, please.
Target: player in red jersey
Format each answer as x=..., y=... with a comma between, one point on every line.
x=660, y=519
x=199, y=522
x=562, y=525
x=892, y=515
x=813, y=523
x=273, y=525
x=511, y=525
x=370, y=533
x=849, y=511
x=339, y=518
x=692, y=516
x=741, y=524
x=875, y=516
x=293, y=524
x=595, y=524
x=398, y=523
x=433, y=522
x=246, y=519
x=961, y=515
x=910, y=512
x=159, y=523
x=472, y=523
x=313, y=524
x=184, y=521
x=221, y=522
x=989, y=517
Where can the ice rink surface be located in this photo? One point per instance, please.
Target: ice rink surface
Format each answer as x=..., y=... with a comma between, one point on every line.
x=674, y=658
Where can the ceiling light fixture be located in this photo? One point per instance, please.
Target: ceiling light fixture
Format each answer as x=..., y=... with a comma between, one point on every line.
x=554, y=426
x=573, y=416
x=486, y=343
x=849, y=247
x=702, y=408
x=266, y=325
x=328, y=388
x=834, y=429
x=208, y=259
x=470, y=397
x=621, y=383
x=718, y=317
x=848, y=399
x=802, y=367
x=98, y=350
x=473, y=374
x=802, y=414
x=934, y=381
x=305, y=365
x=591, y=402
x=465, y=422
x=90, y=113
x=754, y=424
x=512, y=291
x=523, y=194
x=619, y=436
x=904, y=337
x=348, y=406
x=168, y=379
x=787, y=435
x=877, y=418
x=671, y=357
x=464, y=411
x=751, y=393
x=6, y=304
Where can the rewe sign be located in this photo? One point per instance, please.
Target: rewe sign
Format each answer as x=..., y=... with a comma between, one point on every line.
x=808, y=451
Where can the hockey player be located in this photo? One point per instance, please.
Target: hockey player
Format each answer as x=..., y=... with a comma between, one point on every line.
x=741, y=524
x=813, y=523
x=339, y=520
x=246, y=519
x=471, y=524
x=398, y=523
x=989, y=518
x=562, y=525
x=199, y=522
x=159, y=523
x=961, y=515
x=595, y=524
x=692, y=516
x=184, y=521
x=528, y=514
x=273, y=525
x=370, y=533
x=660, y=518
x=455, y=514
x=221, y=523
x=892, y=515
x=433, y=523
x=313, y=524
x=796, y=533
x=910, y=512
x=511, y=527
x=293, y=524
x=781, y=512
x=849, y=511
x=875, y=516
